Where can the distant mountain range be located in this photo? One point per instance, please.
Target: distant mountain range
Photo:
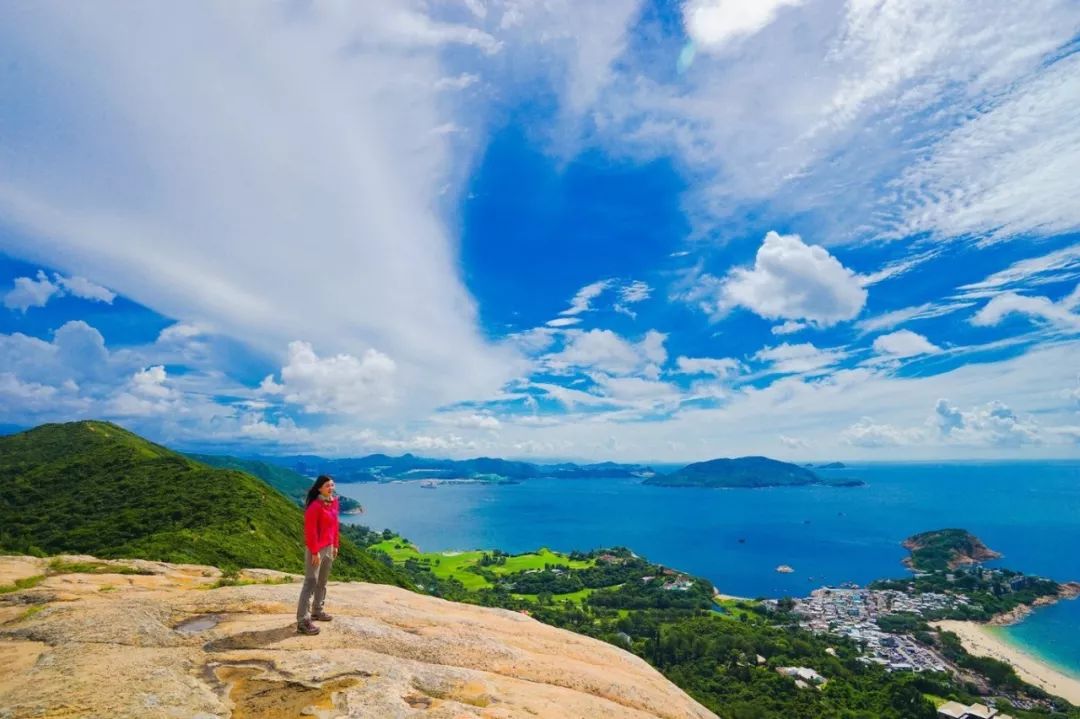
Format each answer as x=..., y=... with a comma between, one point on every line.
x=383, y=468
x=746, y=472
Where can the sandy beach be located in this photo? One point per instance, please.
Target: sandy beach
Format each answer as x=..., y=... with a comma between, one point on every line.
x=978, y=639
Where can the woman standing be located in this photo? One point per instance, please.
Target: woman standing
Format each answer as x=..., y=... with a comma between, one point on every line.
x=322, y=542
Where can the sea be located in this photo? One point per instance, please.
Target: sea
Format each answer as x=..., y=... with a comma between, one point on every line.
x=1028, y=511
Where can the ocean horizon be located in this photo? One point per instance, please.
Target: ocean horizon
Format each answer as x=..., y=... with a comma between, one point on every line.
x=737, y=538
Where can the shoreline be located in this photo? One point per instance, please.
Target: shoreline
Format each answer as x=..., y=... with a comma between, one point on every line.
x=981, y=640
x=1069, y=591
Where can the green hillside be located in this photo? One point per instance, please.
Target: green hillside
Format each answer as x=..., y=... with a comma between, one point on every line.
x=288, y=482
x=95, y=488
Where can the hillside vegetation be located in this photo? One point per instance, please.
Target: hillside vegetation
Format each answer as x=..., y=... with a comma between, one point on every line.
x=95, y=488
x=287, y=481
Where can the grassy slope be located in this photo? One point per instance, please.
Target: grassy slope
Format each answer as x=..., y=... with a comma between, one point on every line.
x=96, y=488
x=291, y=484
x=455, y=565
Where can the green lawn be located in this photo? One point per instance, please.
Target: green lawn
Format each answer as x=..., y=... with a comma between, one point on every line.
x=446, y=565
x=576, y=597
x=732, y=610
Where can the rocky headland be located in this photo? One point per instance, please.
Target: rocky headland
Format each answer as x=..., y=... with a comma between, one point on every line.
x=1069, y=590
x=91, y=638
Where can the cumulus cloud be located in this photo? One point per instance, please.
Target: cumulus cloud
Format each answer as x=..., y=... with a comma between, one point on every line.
x=1058, y=314
x=606, y=351
x=29, y=292
x=714, y=23
x=791, y=280
x=37, y=291
x=146, y=394
x=993, y=423
x=341, y=384
x=904, y=343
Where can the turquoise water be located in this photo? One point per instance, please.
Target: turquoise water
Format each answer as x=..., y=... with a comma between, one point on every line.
x=1029, y=511
x=1053, y=633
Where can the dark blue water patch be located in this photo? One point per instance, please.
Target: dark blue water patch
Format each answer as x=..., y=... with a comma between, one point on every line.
x=737, y=538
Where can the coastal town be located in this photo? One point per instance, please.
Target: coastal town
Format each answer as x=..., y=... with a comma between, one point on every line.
x=854, y=613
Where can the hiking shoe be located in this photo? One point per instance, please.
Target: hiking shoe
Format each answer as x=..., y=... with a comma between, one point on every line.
x=322, y=617
x=306, y=628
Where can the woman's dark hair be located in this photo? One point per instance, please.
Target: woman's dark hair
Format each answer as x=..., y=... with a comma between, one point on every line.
x=313, y=493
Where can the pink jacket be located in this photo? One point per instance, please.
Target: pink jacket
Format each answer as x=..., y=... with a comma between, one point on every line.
x=321, y=525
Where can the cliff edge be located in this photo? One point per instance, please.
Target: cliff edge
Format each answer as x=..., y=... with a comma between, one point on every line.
x=135, y=638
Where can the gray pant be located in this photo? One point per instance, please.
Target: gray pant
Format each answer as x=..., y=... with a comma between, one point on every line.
x=313, y=594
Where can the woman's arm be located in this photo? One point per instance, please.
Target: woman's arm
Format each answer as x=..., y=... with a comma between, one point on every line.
x=311, y=528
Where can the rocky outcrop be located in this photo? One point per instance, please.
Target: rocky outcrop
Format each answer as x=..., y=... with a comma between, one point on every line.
x=1068, y=590
x=169, y=643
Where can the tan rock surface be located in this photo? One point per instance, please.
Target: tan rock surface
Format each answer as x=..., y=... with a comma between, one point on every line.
x=167, y=645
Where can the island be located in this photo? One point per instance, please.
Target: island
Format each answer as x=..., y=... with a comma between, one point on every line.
x=946, y=549
x=746, y=472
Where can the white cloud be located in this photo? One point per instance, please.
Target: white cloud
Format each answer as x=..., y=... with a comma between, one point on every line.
x=563, y=321
x=718, y=367
x=1060, y=265
x=824, y=104
x=789, y=328
x=342, y=384
x=892, y=319
x=471, y=420
x=904, y=343
x=714, y=23
x=583, y=299
x=794, y=281
x=146, y=394
x=788, y=358
x=867, y=433
x=85, y=289
x=636, y=291
x=29, y=292
x=793, y=442
x=897, y=268
x=22, y=401
x=36, y=292
x=605, y=351
x=629, y=294
x=333, y=229
x=1058, y=314
x=993, y=423
x=1025, y=149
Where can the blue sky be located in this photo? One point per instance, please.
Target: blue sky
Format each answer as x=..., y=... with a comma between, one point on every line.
x=584, y=229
